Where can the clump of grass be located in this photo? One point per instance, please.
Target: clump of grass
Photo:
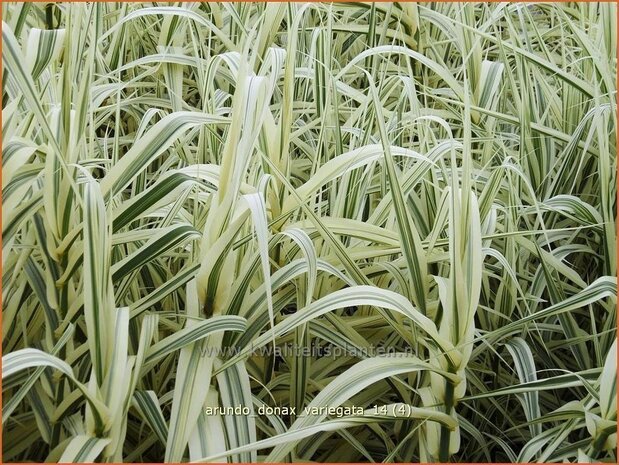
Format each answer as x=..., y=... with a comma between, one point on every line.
x=406, y=208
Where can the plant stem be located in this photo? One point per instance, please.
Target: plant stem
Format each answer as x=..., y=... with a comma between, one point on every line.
x=443, y=452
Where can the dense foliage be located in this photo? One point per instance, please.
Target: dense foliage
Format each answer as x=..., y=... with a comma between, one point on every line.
x=395, y=222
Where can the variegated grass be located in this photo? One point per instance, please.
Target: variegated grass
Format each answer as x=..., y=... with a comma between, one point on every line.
x=429, y=188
